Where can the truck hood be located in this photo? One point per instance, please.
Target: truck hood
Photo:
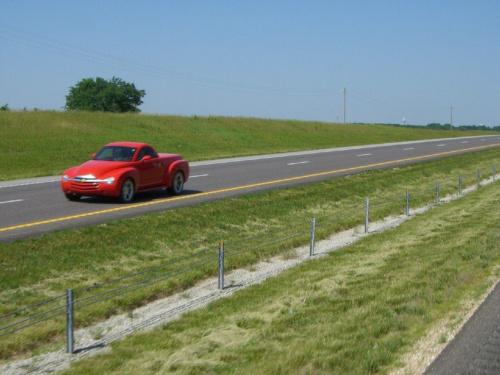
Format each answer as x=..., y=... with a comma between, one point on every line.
x=97, y=168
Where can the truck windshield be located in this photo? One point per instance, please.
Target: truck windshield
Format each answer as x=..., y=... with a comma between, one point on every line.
x=115, y=153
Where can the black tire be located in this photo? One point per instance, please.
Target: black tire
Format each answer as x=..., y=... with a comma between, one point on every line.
x=177, y=183
x=72, y=197
x=127, y=191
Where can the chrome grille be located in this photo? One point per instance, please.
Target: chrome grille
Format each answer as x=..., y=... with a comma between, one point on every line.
x=84, y=186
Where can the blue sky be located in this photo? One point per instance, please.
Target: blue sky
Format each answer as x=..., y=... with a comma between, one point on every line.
x=268, y=59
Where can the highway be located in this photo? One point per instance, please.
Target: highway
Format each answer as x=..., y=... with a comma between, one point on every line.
x=32, y=207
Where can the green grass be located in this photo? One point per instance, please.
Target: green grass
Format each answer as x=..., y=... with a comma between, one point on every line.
x=356, y=311
x=44, y=143
x=36, y=269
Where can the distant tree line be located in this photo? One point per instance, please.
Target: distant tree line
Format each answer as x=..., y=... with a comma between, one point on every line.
x=438, y=126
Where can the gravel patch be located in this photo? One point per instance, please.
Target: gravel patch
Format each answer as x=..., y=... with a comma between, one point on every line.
x=95, y=339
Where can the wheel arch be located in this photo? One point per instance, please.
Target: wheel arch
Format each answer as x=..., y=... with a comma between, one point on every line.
x=178, y=166
x=121, y=175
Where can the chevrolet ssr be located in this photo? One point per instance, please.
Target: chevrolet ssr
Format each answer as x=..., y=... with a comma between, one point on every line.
x=122, y=169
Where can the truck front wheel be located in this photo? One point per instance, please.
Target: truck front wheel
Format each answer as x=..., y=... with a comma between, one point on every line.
x=127, y=191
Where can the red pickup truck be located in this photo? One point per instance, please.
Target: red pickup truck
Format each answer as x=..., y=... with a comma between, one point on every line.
x=122, y=169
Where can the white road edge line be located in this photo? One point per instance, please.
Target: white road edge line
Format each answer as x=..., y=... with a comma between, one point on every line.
x=407, y=149
x=300, y=162
x=29, y=183
x=441, y=145
x=200, y=175
x=364, y=155
x=13, y=201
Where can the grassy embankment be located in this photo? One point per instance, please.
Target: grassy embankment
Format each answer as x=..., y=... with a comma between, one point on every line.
x=46, y=143
x=36, y=269
x=354, y=312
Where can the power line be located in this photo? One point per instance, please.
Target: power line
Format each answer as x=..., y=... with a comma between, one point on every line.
x=20, y=36
x=40, y=42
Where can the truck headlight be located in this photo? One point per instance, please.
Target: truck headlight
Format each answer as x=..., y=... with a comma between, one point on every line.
x=110, y=180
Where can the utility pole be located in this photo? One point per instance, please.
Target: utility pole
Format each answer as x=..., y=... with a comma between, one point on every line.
x=344, y=91
x=451, y=118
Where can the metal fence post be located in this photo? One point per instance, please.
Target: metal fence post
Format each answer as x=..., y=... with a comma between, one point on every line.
x=313, y=231
x=460, y=184
x=478, y=178
x=407, y=203
x=437, y=193
x=367, y=215
x=221, y=265
x=70, y=338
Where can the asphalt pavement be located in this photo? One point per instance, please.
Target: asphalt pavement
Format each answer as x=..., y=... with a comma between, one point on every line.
x=29, y=208
x=476, y=348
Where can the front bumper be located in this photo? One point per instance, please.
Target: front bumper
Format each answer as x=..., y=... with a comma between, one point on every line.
x=89, y=186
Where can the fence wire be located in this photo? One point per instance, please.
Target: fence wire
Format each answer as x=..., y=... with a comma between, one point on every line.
x=31, y=318
x=264, y=244
x=153, y=280
x=32, y=306
x=374, y=203
x=264, y=235
x=174, y=261
x=322, y=222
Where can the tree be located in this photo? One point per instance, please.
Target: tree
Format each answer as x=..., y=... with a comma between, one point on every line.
x=114, y=95
x=435, y=126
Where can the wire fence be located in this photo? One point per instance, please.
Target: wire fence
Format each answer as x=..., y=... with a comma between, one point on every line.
x=229, y=255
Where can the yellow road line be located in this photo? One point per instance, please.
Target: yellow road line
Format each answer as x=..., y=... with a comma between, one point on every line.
x=184, y=197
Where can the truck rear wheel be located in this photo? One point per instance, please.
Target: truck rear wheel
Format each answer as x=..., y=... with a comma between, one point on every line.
x=177, y=183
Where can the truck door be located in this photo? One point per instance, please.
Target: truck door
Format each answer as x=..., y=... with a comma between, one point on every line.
x=151, y=168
